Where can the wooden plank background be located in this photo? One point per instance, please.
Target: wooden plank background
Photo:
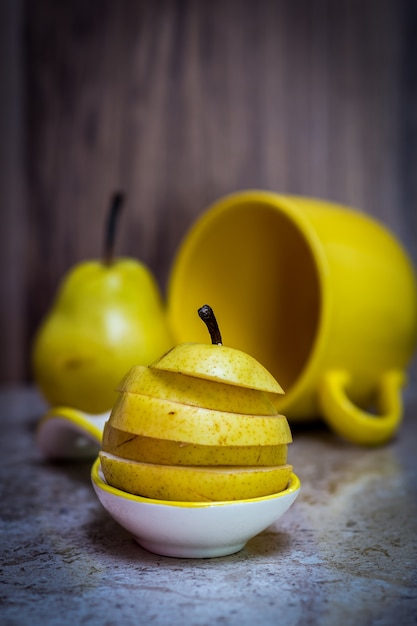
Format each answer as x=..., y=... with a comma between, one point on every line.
x=178, y=103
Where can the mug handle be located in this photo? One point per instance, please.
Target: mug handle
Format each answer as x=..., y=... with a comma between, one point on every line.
x=354, y=424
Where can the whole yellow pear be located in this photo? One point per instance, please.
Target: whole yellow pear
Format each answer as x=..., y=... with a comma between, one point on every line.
x=107, y=316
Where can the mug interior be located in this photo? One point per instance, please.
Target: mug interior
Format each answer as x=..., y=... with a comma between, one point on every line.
x=254, y=265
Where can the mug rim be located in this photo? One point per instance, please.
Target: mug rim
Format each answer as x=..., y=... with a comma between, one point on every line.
x=287, y=205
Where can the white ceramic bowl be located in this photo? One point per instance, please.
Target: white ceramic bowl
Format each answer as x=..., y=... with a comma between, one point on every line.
x=192, y=529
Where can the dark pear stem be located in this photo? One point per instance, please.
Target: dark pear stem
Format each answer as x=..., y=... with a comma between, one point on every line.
x=116, y=205
x=208, y=317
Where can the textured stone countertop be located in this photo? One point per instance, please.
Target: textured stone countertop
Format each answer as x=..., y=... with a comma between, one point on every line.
x=345, y=553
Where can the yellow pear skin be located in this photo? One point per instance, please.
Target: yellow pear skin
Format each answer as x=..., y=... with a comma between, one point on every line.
x=209, y=394
x=219, y=363
x=197, y=425
x=105, y=319
x=152, y=417
x=193, y=484
x=165, y=452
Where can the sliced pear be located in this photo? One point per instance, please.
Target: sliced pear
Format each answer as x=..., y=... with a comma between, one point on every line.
x=205, y=393
x=193, y=484
x=152, y=417
x=219, y=363
x=165, y=452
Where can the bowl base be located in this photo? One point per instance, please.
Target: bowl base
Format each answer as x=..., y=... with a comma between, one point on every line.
x=189, y=552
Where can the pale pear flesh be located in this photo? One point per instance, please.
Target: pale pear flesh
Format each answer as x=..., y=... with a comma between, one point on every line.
x=193, y=484
x=165, y=452
x=220, y=363
x=163, y=419
x=209, y=394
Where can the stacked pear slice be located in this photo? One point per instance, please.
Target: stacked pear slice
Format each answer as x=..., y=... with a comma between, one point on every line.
x=197, y=425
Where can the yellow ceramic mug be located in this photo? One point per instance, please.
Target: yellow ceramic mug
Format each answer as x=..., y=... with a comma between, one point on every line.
x=322, y=295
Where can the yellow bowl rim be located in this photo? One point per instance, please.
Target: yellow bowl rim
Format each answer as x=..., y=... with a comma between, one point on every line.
x=293, y=486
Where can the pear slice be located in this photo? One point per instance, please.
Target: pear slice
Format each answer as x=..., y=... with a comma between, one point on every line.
x=219, y=363
x=205, y=393
x=193, y=484
x=165, y=452
x=163, y=419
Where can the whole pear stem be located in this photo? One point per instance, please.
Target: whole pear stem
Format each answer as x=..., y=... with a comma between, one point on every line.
x=116, y=205
x=208, y=317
